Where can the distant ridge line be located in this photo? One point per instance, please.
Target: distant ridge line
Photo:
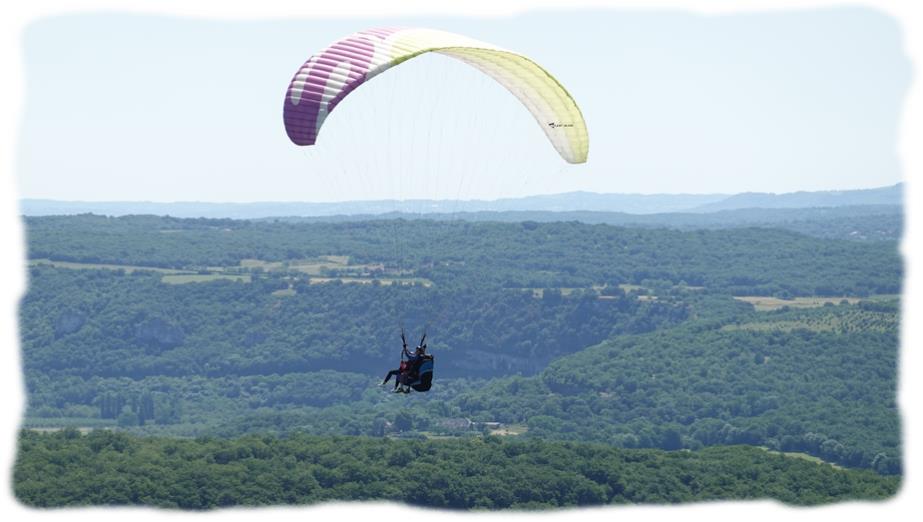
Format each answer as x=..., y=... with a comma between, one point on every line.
x=639, y=204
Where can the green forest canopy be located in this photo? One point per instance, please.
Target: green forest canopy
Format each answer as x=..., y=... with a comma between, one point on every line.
x=108, y=468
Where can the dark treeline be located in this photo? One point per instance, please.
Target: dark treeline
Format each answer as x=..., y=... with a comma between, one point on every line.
x=854, y=223
x=749, y=261
x=107, y=468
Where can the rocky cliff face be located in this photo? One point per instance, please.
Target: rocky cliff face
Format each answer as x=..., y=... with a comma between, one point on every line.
x=68, y=322
x=156, y=334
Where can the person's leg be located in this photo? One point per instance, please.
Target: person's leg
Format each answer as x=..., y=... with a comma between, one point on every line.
x=388, y=377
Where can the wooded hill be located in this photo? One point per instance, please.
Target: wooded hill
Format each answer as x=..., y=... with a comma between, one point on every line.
x=749, y=261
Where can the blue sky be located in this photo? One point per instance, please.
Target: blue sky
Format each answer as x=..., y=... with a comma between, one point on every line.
x=145, y=107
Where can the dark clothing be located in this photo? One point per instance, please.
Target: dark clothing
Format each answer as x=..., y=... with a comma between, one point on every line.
x=393, y=373
x=397, y=374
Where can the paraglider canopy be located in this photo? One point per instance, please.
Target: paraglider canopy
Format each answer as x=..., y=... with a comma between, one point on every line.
x=327, y=78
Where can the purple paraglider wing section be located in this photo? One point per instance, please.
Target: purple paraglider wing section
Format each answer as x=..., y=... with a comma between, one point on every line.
x=324, y=80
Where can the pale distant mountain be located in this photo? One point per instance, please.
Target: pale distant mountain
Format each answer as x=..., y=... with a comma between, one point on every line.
x=595, y=202
x=893, y=195
x=638, y=204
x=567, y=202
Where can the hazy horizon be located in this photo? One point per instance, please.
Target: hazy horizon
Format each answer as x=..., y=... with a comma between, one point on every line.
x=571, y=202
x=633, y=194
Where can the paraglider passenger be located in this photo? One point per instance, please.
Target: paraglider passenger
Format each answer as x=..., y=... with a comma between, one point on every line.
x=402, y=368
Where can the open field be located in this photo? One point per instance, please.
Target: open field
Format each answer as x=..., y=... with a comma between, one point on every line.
x=313, y=267
x=764, y=304
x=83, y=429
x=265, y=265
x=431, y=435
x=512, y=429
x=103, y=266
x=308, y=267
x=853, y=320
x=503, y=431
x=630, y=288
x=339, y=260
x=368, y=281
x=538, y=293
x=83, y=424
x=798, y=455
x=179, y=279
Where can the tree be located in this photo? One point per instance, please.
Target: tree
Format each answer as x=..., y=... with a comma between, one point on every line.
x=146, y=408
x=128, y=419
x=403, y=421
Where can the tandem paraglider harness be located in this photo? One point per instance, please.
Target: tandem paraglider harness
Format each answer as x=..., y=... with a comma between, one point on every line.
x=417, y=371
